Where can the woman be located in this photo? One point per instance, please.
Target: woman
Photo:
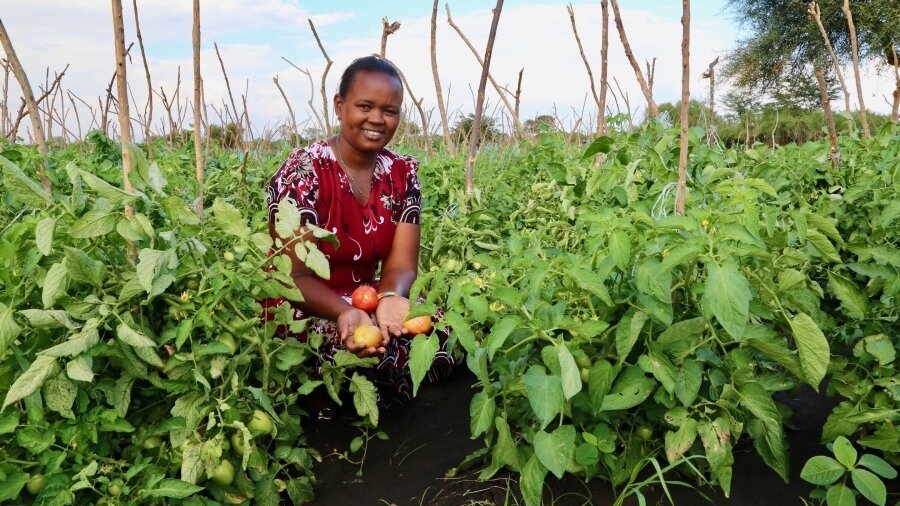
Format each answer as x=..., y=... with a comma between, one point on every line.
x=369, y=197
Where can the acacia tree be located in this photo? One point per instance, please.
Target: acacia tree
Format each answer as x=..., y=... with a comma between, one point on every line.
x=784, y=44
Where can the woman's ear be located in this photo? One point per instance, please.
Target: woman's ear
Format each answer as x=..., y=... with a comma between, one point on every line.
x=338, y=103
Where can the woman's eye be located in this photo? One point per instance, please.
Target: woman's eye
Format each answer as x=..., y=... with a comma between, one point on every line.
x=365, y=107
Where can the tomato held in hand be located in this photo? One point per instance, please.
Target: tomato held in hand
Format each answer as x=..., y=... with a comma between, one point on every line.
x=418, y=325
x=364, y=297
x=368, y=336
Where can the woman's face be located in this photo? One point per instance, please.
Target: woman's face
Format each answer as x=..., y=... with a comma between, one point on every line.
x=370, y=113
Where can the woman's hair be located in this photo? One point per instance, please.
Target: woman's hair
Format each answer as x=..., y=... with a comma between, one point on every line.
x=366, y=64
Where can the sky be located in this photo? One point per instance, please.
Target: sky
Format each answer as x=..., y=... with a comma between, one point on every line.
x=254, y=37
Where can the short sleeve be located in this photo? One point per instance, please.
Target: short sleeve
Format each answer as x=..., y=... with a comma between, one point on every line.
x=412, y=199
x=295, y=181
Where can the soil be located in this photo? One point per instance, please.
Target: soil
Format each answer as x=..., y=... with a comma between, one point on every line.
x=431, y=436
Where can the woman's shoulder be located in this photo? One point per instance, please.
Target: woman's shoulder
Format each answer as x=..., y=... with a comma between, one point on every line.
x=397, y=161
x=306, y=161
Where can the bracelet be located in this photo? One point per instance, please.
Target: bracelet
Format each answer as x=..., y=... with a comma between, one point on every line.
x=386, y=294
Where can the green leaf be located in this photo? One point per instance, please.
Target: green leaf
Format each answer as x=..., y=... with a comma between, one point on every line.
x=505, y=451
x=317, y=262
x=652, y=280
x=570, y=373
x=602, y=144
x=590, y=282
x=627, y=332
x=822, y=245
x=9, y=422
x=80, y=342
x=46, y=319
x=94, y=223
x=687, y=382
x=767, y=433
x=620, y=249
x=679, y=255
x=13, y=480
x=775, y=348
x=121, y=394
x=421, y=355
x=364, y=397
x=630, y=389
x=59, y=394
x=717, y=443
x=600, y=379
x=132, y=337
x=55, y=284
x=287, y=220
x=83, y=269
x=881, y=347
x=9, y=329
x=555, y=449
x=189, y=407
x=81, y=368
x=106, y=190
x=840, y=495
x=678, y=443
x=481, y=413
x=727, y=295
x=30, y=380
x=43, y=235
x=229, y=219
x=21, y=186
x=853, y=302
x=876, y=464
x=500, y=332
x=170, y=487
x=822, y=470
x=869, y=485
x=886, y=438
x=191, y=464
x=545, y=394
x=844, y=452
x=531, y=482
x=661, y=369
x=812, y=347
x=148, y=267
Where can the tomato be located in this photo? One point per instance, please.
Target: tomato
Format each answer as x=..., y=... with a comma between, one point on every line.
x=418, y=325
x=585, y=374
x=237, y=442
x=115, y=488
x=368, y=336
x=152, y=442
x=223, y=475
x=364, y=297
x=193, y=283
x=228, y=256
x=228, y=340
x=35, y=484
x=260, y=423
x=583, y=360
x=645, y=432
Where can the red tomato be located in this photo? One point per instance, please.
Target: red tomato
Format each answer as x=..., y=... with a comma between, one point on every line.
x=365, y=297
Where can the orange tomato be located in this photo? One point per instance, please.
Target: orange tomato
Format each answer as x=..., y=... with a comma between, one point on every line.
x=418, y=325
x=364, y=297
x=368, y=336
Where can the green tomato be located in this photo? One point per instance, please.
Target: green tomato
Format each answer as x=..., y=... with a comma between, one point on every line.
x=223, y=475
x=193, y=283
x=260, y=423
x=585, y=374
x=35, y=484
x=237, y=443
x=228, y=256
x=228, y=340
x=115, y=488
x=152, y=442
x=644, y=432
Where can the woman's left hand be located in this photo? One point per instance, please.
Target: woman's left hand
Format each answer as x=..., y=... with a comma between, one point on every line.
x=390, y=314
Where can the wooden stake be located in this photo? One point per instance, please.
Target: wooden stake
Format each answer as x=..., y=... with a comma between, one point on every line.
x=604, y=59
x=681, y=192
x=829, y=119
x=124, y=118
x=479, y=102
x=28, y=96
x=587, y=65
x=445, y=126
x=328, y=63
x=148, y=109
x=198, y=118
x=854, y=53
x=652, y=108
x=290, y=109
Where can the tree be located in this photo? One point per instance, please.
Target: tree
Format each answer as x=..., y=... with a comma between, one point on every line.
x=541, y=122
x=488, y=131
x=784, y=43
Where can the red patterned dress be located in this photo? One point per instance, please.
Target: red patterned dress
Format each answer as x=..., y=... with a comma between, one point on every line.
x=312, y=180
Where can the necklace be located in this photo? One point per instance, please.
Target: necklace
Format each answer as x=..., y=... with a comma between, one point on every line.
x=353, y=187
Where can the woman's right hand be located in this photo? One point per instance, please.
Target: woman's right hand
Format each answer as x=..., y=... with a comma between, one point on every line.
x=347, y=322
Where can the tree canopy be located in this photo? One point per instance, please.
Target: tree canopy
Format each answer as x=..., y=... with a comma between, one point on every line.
x=784, y=42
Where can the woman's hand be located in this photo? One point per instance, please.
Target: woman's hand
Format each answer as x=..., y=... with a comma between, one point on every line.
x=347, y=323
x=390, y=314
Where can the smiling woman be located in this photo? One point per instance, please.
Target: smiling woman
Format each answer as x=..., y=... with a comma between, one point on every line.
x=370, y=198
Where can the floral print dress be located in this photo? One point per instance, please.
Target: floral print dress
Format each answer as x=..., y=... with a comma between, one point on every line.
x=312, y=180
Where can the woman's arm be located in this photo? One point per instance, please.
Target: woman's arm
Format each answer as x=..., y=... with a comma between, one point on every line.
x=398, y=272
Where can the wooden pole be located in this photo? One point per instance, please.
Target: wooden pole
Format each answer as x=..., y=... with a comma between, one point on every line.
x=604, y=60
x=681, y=192
x=854, y=53
x=445, y=125
x=652, y=108
x=479, y=102
x=814, y=12
x=148, y=119
x=198, y=118
x=28, y=96
x=829, y=119
x=324, y=75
